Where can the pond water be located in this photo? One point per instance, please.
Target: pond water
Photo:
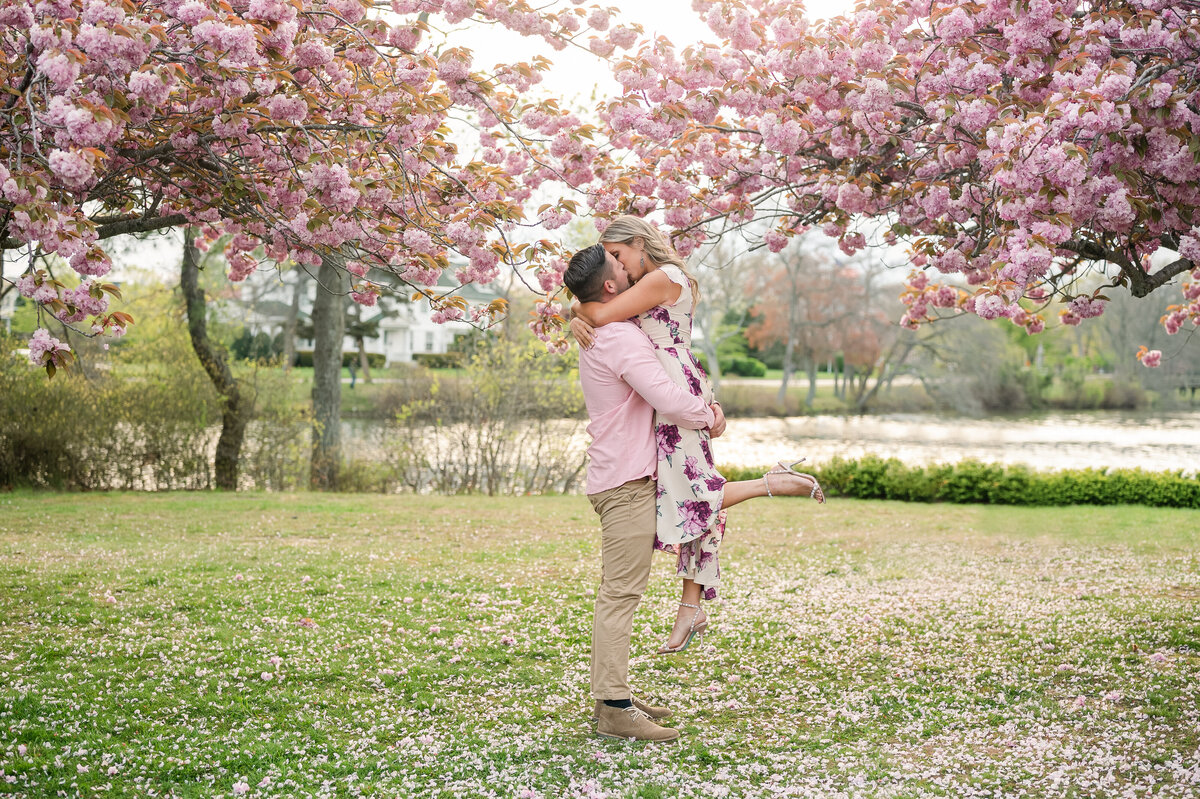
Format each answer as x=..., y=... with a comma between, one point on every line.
x=1159, y=442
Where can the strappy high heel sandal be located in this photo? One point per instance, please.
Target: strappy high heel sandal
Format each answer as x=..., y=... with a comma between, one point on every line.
x=816, y=492
x=696, y=629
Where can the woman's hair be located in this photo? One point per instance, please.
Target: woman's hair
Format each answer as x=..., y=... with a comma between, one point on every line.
x=624, y=229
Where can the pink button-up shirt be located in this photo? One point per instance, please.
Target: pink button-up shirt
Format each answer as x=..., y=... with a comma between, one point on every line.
x=623, y=384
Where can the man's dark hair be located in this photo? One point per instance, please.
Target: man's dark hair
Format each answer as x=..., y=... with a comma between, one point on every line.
x=586, y=273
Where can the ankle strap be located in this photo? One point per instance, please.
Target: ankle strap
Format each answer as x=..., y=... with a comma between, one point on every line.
x=689, y=605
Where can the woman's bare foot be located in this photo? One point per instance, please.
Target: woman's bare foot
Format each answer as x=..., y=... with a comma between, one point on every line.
x=789, y=484
x=689, y=618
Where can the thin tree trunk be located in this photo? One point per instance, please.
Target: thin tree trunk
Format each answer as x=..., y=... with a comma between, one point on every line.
x=363, y=360
x=329, y=322
x=714, y=367
x=235, y=412
x=710, y=344
x=896, y=356
x=293, y=318
x=812, y=381
x=5, y=287
x=788, y=350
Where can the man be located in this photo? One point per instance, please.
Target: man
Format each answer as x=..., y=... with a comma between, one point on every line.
x=623, y=385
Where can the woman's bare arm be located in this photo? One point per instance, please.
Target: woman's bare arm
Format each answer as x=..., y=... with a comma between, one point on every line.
x=653, y=289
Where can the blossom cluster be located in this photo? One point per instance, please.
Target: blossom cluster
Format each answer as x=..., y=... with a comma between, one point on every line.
x=1006, y=143
x=294, y=129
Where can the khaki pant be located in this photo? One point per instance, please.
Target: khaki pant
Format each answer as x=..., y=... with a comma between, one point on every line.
x=627, y=522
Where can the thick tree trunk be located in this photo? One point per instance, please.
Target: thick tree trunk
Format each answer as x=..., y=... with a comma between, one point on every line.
x=329, y=323
x=293, y=318
x=236, y=410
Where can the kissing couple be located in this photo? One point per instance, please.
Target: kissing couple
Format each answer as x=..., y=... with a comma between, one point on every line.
x=651, y=477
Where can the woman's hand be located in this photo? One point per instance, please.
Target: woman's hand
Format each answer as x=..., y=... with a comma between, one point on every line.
x=718, y=425
x=584, y=333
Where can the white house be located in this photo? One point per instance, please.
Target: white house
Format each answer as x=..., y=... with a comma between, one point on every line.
x=405, y=328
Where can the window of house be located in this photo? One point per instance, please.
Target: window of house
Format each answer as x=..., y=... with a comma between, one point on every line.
x=429, y=341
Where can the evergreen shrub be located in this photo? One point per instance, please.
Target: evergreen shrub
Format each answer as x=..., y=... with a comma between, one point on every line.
x=972, y=482
x=376, y=360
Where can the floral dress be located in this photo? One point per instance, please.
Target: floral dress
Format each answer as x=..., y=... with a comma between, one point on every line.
x=690, y=489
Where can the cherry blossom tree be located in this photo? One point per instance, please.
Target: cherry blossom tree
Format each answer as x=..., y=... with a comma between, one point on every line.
x=236, y=406
x=1020, y=145
x=297, y=129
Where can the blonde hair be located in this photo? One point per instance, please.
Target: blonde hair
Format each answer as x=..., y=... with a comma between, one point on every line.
x=624, y=229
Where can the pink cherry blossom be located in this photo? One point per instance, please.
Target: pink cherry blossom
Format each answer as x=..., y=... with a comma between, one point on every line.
x=43, y=347
x=1151, y=359
x=997, y=138
x=71, y=167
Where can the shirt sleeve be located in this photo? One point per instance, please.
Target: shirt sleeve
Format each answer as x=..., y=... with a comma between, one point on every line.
x=645, y=375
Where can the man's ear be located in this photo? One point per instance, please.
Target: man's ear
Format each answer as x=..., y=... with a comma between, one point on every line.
x=610, y=286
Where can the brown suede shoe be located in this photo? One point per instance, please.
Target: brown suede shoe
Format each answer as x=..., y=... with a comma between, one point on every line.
x=653, y=711
x=629, y=722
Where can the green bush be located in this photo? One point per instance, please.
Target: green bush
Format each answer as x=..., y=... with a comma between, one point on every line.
x=148, y=429
x=150, y=424
x=439, y=360
x=972, y=482
x=255, y=347
x=376, y=360
x=506, y=425
x=744, y=367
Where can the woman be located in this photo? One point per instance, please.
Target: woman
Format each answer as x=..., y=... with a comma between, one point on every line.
x=692, y=494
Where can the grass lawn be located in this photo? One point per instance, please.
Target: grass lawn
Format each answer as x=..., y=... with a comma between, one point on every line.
x=307, y=645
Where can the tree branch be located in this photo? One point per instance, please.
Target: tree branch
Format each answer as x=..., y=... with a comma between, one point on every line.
x=117, y=227
x=1169, y=271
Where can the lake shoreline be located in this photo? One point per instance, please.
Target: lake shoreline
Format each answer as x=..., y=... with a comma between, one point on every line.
x=1049, y=440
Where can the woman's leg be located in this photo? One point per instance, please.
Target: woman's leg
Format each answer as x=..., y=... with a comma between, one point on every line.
x=782, y=485
x=683, y=618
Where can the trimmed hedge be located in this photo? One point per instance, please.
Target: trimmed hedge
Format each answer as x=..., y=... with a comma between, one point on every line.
x=744, y=367
x=440, y=360
x=376, y=360
x=972, y=482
